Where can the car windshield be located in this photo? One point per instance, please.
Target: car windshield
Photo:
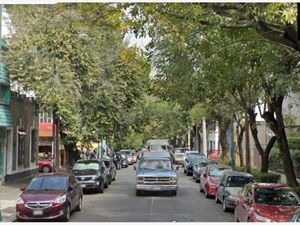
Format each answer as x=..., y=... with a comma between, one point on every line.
x=155, y=164
x=270, y=196
x=180, y=150
x=48, y=183
x=217, y=171
x=238, y=181
x=201, y=163
x=157, y=147
x=86, y=166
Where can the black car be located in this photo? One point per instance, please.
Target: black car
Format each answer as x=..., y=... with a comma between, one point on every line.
x=112, y=171
x=91, y=174
x=190, y=161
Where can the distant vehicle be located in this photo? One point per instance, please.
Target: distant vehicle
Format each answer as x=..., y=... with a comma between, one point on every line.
x=210, y=178
x=128, y=153
x=91, y=174
x=228, y=187
x=49, y=197
x=158, y=145
x=45, y=166
x=261, y=202
x=134, y=156
x=178, y=155
x=199, y=167
x=124, y=161
x=112, y=171
x=190, y=161
x=155, y=173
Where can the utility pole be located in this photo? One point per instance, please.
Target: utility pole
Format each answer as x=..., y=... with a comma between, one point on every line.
x=204, y=136
x=54, y=141
x=232, y=146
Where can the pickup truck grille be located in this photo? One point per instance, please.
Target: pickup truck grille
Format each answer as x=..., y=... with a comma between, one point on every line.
x=156, y=180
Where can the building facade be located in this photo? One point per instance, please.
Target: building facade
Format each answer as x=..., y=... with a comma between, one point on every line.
x=22, y=139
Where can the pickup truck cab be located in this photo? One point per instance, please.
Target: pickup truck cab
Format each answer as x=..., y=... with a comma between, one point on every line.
x=155, y=172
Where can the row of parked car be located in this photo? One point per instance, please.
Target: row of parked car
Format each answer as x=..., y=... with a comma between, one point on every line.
x=55, y=196
x=238, y=192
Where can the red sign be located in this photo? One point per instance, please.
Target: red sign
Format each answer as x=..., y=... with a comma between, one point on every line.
x=45, y=130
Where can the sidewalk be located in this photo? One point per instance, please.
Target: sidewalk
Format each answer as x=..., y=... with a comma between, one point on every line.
x=9, y=193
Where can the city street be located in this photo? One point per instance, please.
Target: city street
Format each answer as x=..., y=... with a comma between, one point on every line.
x=118, y=203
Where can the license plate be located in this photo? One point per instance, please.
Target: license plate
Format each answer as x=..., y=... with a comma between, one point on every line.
x=37, y=212
x=156, y=188
x=83, y=185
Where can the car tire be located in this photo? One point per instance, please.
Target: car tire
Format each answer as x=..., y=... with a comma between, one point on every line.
x=174, y=193
x=101, y=187
x=184, y=171
x=197, y=180
x=106, y=184
x=79, y=206
x=46, y=169
x=216, y=199
x=225, y=209
x=109, y=181
x=67, y=214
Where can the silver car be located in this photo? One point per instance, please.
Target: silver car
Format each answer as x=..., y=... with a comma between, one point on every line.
x=230, y=184
x=155, y=173
x=128, y=153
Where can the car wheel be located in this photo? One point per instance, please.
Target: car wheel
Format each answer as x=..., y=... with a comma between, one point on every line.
x=109, y=181
x=225, y=209
x=174, y=193
x=101, y=187
x=114, y=177
x=197, y=180
x=106, y=184
x=46, y=169
x=216, y=199
x=138, y=193
x=184, y=171
x=79, y=206
x=67, y=214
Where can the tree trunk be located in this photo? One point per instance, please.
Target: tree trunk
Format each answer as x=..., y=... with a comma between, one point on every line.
x=240, y=133
x=197, y=138
x=283, y=146
x=223, y=127
x=247, y=144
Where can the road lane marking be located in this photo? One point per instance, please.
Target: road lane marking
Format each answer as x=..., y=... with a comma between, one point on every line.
x=151, y=209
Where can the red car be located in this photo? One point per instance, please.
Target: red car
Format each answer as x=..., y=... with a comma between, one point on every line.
x=49, y=197
x=210, y=178
x=260, y=202
x=45, y=166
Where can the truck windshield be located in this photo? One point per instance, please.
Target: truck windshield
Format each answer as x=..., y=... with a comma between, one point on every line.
x=155, y=164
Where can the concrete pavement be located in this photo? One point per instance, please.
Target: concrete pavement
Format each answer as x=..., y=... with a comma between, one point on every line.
x=9, y=193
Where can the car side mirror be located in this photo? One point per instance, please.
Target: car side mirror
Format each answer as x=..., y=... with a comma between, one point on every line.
x=177, y=167
x=134, y=167
x=22, y=188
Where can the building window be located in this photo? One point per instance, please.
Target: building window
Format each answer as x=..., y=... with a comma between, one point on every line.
x=21, y=147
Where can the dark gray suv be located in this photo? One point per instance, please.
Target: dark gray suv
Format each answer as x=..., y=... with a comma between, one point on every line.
x=91, y=174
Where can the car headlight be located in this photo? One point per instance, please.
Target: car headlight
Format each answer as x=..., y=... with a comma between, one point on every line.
x=261, y=218
x=61, y=199
x=173, y=179
x=20, y=201
x=140, y=180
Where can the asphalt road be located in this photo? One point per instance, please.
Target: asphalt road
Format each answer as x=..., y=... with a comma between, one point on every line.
x=118, y=203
